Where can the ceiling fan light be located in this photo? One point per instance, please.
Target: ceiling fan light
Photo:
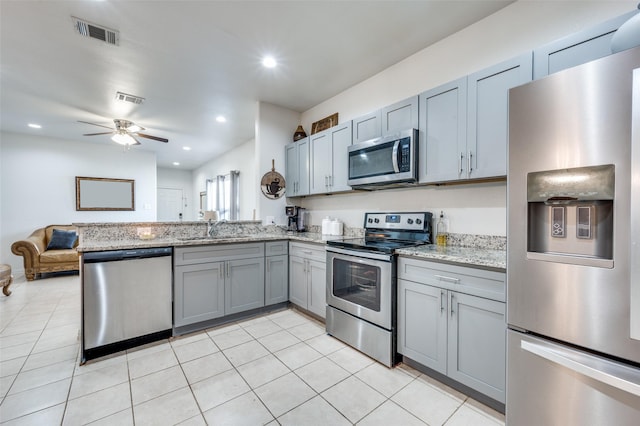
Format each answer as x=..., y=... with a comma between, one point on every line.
x=134, y=128
x=123, y=139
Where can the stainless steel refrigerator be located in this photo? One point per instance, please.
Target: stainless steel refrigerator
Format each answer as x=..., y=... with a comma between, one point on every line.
x=573, y=264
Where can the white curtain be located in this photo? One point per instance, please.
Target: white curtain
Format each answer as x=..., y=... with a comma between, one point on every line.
x=223, y=195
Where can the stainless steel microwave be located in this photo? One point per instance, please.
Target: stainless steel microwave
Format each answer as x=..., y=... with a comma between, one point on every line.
x=384, y=161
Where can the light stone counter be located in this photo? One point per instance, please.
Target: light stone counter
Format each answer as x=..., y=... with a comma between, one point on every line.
x=462, y=256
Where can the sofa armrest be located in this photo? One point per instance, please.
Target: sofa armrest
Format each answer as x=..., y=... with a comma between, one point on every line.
x=30, y=249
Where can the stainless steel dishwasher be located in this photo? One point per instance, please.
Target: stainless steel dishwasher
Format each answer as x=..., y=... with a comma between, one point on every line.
x=126, y=299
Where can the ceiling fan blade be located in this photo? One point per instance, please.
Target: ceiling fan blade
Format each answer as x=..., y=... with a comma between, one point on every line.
x=95, y=134
x=155, y=138
x=137, y=141
x=95, y=124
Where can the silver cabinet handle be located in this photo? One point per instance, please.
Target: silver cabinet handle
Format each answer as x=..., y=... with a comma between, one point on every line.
x=307, y=251
x=460, y=163
x=469, y=161
x=330, y=180
x=267, y=264
x=451, y=303
x=594, y=368
x=222, y=271
x=448, y=279
x=442, y=302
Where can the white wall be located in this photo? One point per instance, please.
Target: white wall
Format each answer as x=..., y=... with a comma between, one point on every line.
x=180, y=179
x=522, y=26
x=38, y=185
x=241, y=158
x=274, y=129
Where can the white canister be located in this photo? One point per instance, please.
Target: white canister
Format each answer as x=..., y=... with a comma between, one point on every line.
x=336, y=227
x=326, y=226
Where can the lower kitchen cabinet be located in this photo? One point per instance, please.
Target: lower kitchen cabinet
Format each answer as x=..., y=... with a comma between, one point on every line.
x=198, y=293
x=276, y=284
x=308, y=277
x=444, y=326
x=217, y=280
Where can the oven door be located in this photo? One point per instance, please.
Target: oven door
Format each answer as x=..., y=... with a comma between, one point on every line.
x=362, y=284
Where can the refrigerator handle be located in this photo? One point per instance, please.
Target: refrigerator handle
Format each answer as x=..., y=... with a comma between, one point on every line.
x=588, y=366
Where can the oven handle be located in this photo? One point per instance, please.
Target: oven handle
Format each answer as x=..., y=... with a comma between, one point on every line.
x=364, y=255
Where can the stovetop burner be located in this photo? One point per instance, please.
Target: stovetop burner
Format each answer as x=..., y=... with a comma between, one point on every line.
x=386, y=232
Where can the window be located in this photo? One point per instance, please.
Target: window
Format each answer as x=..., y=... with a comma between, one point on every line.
x=223, y=195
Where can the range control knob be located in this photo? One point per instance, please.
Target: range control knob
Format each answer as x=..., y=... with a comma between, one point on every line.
x=410, y=221
x=418, y=221
x=370, y=220
x=376, y=220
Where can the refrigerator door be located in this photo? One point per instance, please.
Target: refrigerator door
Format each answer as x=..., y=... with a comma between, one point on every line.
x=552, y=384
x=635, y=208
x=577, y=118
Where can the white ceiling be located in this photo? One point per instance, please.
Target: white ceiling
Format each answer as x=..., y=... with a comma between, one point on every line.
x=195, y=60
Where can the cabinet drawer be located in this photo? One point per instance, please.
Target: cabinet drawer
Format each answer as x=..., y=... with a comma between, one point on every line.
x=276, y=248
x=478, y=282
x=308, y=251
x=216, y=252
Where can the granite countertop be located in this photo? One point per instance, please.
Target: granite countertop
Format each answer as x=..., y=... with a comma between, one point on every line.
x=463, y=256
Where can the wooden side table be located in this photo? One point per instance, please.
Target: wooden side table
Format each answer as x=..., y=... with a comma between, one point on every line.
x=5, y=279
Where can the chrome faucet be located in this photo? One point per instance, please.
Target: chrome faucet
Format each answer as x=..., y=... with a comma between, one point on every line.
x=211, y=226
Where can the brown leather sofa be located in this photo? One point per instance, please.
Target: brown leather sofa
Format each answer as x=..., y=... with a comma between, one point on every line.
x=38, y=260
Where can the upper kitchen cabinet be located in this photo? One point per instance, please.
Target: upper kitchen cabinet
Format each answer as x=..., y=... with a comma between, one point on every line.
x=329, y=159
x=488, y=116
x=297, y=168
x=443, y=138
x=367, y=127
x=400, y=116
x=577, y=49
x=386, y=121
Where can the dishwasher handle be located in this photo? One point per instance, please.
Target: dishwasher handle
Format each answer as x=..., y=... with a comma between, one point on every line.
x=116, y=255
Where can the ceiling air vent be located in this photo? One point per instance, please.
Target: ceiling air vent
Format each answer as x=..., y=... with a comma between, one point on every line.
x=125, y=97
x=88, y=29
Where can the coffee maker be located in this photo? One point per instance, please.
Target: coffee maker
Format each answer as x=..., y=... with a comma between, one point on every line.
x=297, y=218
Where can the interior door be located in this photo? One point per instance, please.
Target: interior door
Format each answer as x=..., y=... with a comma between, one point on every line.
x=170, y=204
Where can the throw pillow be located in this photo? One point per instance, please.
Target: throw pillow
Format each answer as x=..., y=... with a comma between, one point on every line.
x=61, y=239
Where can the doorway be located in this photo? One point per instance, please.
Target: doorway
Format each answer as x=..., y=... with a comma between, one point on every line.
x=170, y=204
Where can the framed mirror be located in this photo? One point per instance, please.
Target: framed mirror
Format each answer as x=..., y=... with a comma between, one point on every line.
x=94, y=193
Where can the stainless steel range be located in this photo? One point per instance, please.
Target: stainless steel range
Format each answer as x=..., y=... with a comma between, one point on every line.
x=361, y=277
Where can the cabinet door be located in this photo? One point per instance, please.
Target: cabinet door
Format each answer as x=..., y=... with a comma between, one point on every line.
x=400, y=116
x=477, y=344
x=443, y=127
x=317, y=281
x=340, y=142
x=198, y=293
x=303, y=167
x=298, y=281
x=276, y=285
x=422, y=324
x=291, y=172
x=320, y=162
x=367, y=127
x=578, y=48
x=488, y=115
x=244, y=285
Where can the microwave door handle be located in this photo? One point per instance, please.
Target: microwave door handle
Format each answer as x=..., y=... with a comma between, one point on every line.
x=396, y=167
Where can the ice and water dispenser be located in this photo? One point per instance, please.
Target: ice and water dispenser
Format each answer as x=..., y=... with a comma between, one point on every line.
x=570, y=215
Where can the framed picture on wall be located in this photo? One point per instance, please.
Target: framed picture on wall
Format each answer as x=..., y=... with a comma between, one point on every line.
x=100, y=194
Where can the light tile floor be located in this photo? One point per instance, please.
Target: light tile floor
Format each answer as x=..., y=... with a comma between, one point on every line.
x=279, y=368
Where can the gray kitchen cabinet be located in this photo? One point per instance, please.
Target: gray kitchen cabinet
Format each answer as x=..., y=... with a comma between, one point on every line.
x=212, y=281
x=452, y=319
x=443, y=132
x=276, y=284
x=307, y=277
x=387, y=121
x=367, y=127
x=297, y=168
x=488, y=115
x=400, y=116
x=198, y=293
x=244, y=285
x=329, y=159
x=576, y=49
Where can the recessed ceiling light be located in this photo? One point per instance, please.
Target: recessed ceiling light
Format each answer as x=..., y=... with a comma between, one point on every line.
x=221, y=119
x=175, y=163
x=35, y=126
x=269, y=62
x=186, y=148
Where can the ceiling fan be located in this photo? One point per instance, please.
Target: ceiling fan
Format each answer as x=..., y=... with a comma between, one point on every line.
x=125, y=132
